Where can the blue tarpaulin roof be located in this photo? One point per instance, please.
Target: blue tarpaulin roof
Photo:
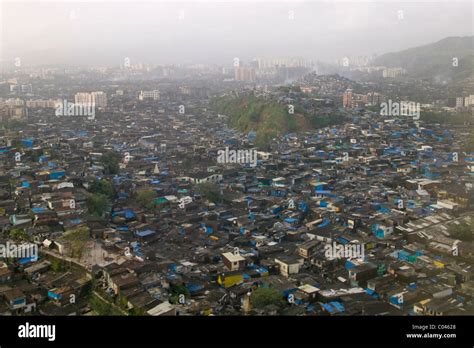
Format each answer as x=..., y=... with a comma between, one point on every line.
x=57, y=175
x=194, y=287
x=325, y=223
x=26, y=260
x=328, y=307
x=128, y=213
x=339, y=306
x=145, y=233
x=53, y=295
x=28, y=142
x=349, y=264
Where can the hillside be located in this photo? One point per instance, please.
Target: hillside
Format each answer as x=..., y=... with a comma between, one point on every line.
x=435, y=60
x=268, y=118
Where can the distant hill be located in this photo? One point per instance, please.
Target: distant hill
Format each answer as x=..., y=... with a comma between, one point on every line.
x=435, y=61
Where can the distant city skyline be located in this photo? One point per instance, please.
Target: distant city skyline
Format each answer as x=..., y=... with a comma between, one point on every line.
x=215, y=32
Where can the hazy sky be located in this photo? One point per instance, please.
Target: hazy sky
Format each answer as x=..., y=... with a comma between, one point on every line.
x=216, y=31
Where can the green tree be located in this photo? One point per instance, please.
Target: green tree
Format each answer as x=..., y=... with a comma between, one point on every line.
x=97, y=204
x=111, y=160
x=103, y=187
x=176, y=291
x=463, y=231
x=19, y=234
x=146, y=198
x=122, y=302
x=469, y=147
x=57, y=265
x=138, y=312
x=102, y=308
x=211, y=192
x=77, y=239
x=266, y=296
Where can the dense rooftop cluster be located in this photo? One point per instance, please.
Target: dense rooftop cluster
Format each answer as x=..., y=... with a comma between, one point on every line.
x=133, y=214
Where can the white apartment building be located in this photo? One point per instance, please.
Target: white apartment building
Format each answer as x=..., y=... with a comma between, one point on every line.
x=99, y=99
x=155, y=95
